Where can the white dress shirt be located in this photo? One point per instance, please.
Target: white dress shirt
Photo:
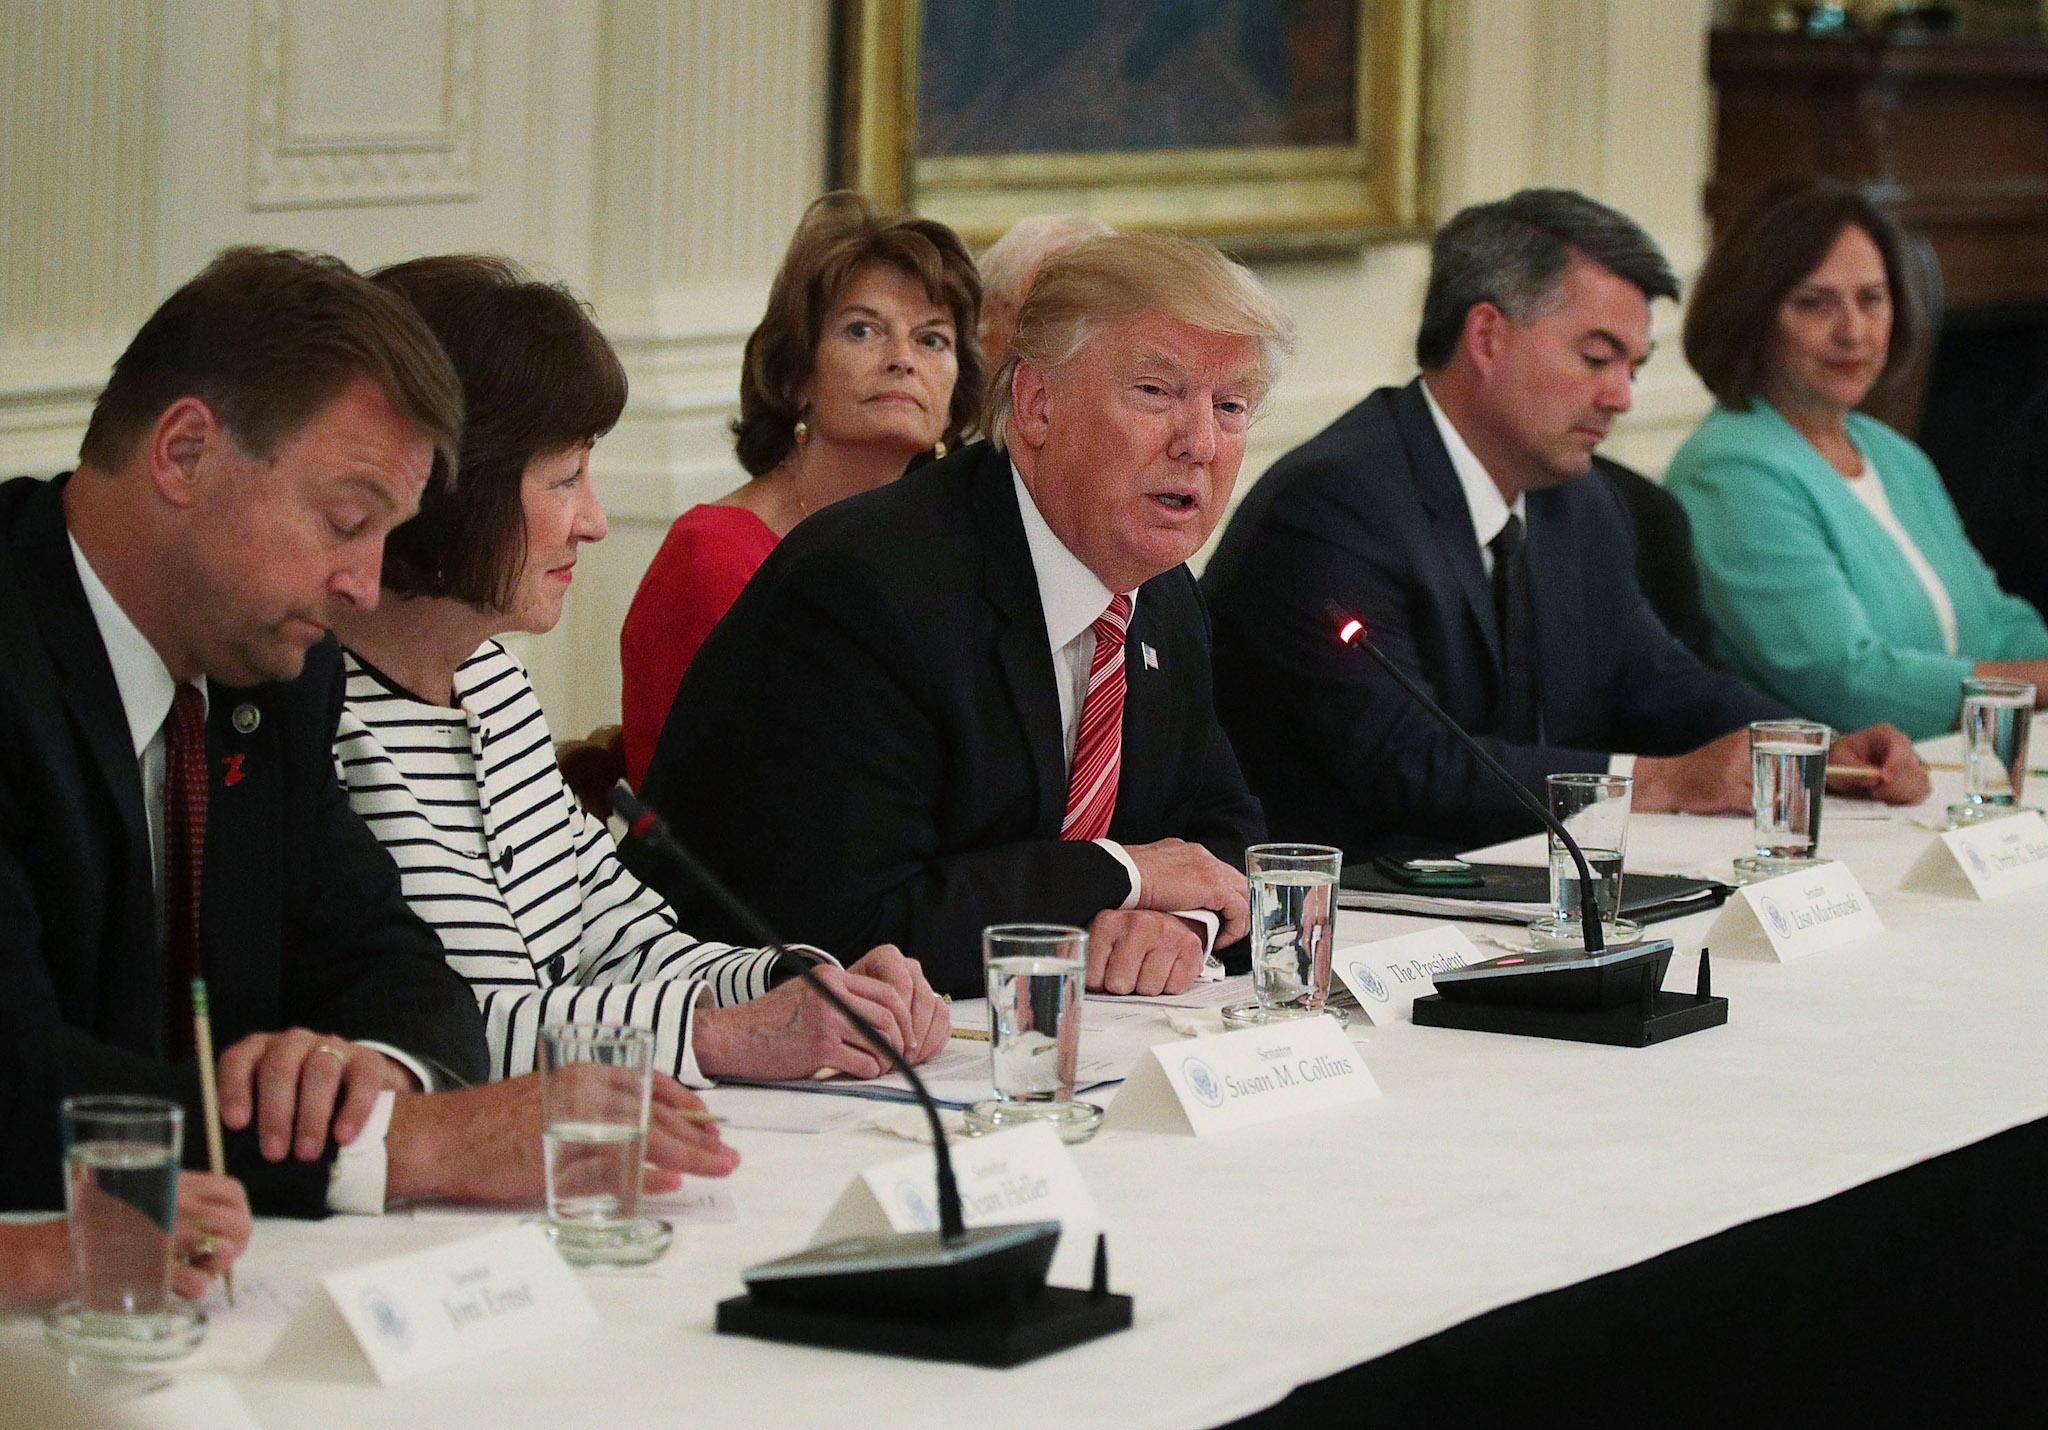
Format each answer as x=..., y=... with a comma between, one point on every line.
x=355, y=1181
x=1073, y=599
x=1490, y=512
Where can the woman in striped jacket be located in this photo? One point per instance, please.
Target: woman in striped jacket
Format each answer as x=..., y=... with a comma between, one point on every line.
x=445, y=753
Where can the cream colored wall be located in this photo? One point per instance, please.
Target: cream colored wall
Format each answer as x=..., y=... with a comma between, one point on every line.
x=655, y=154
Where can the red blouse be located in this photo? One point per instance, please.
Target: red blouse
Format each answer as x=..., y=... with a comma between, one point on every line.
x=705, y=561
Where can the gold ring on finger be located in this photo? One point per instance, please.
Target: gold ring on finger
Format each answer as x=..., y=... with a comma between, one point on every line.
x=333, y=1052
x=204, y=1246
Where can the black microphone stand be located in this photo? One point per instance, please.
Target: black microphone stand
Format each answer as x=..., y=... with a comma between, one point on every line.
x=650, y=828
x=1351, y=632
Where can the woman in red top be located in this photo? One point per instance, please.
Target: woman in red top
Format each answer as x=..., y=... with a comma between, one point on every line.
x=865, y=361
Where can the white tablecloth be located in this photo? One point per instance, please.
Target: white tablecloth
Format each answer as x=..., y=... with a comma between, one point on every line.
x=1492, y=1170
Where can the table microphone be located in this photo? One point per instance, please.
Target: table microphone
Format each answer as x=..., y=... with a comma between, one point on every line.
x=1351, y=632
x=910, y=1275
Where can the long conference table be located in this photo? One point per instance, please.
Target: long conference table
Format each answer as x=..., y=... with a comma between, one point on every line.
x=1829, y=1205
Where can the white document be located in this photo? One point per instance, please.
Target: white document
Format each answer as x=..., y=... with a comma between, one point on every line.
x=695, y=1202
x=959, y=1075
x=1253, y=1075
x=432, y=1309
x=1387, y=977
x=1025, y=1174
x=1991, y=860
x=1794, y=915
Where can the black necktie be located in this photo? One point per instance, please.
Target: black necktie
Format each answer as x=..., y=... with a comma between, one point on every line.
x=1517, y=723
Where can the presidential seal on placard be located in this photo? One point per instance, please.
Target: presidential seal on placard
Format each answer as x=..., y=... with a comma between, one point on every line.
x=1365, y=978
x=1775, y=916
x=1976, y=860
x=911, y=1199
x=386, y=1319
x=1202, y=1082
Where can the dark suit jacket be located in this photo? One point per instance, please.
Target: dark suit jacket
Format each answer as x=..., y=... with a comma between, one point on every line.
x=1369, y=513
x=868, y=746
x=302, y=920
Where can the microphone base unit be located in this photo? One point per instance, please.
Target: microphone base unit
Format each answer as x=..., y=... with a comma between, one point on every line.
x=1607, y=996
x=1051, y=1319
x=980, y=1298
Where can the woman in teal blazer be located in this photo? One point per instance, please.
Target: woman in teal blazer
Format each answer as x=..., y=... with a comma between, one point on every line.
x=1812, y=594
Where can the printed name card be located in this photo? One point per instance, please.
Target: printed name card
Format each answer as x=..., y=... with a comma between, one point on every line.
x=1388, y=976
x=432, y=1309
x=1025, y=1174
x=1227, y=1080
x=1988, y=860
x=1794, y=915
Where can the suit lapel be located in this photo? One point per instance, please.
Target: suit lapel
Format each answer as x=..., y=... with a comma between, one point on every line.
x=132, y=982
x=1146, y=694
x=240, y=901
x=1022, y=652
x=73, y=639
x=1452, y=539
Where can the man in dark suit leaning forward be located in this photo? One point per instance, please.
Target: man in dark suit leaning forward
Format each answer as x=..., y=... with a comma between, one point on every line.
x=982, y=694
x=168, y=805
x=1449, y=515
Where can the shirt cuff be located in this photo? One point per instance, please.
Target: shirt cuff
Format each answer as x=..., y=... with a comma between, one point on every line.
x=355, y=1183
x=428, y=1083
x=1117, y=852
x=1621, y=765
x=1206, y=923
x=687, y=1071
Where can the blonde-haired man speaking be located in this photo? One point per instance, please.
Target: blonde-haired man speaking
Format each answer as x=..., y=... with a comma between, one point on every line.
x=982, y=694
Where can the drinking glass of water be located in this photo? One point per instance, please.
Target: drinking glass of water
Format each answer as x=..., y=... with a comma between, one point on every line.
x=121, y=1157
x=1294, y=903
x=1788, y=776
x=596, y=1084
x=1997, y=715
x=1037, y=980
x=1594, y=807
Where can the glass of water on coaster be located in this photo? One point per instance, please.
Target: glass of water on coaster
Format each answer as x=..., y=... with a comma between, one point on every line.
x=1037, y=980
x=1997, y=714
x=596, y=1084
x=121, y=1158
x=1788, y=779
x=1594, y=807
x=1294, y=910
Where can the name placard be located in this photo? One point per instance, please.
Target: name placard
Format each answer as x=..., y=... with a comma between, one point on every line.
x=1025, y=1174
x=1388, y=976
x=1794, y=915
x=1228, y=1080
x=432, y=1309
x=1989, y=860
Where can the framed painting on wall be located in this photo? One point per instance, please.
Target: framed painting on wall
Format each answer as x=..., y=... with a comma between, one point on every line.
x=1262, y=124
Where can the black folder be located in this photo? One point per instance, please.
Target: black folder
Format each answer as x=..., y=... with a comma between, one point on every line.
x=1516, y=893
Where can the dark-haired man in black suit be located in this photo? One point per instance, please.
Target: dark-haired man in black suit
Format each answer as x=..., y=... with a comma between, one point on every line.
x=982, y=694
x=1451, y=515
x=168, y=806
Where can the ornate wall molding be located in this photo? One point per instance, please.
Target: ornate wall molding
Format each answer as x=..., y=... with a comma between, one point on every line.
x=295, y=166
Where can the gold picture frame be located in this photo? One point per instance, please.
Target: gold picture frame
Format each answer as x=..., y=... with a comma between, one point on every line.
x=1263, y=198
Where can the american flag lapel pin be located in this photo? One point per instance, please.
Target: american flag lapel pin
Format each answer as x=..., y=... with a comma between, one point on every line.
x=1151, y=656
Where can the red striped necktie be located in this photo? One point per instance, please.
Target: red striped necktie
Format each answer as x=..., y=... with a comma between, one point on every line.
x=184, y=858
x=1099, y=745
